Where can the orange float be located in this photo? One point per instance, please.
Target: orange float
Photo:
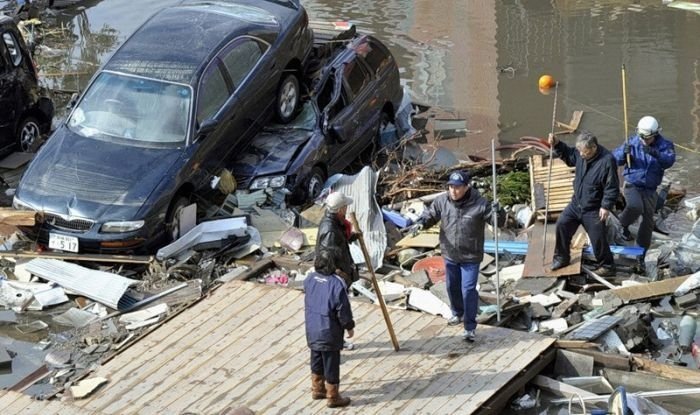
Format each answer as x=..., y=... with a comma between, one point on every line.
x=546, y=81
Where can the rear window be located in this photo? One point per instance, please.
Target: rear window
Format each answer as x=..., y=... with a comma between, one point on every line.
x=213, y=93
x=375, y=56
x=356, y=77
x=240, y=59
x=12, y=47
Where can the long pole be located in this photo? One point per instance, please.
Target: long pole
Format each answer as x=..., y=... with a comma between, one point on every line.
x=549, y=174
x=494, y=220
x=380, y=298
x=624, y=109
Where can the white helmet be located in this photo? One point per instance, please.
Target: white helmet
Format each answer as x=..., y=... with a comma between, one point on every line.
x=647, y=126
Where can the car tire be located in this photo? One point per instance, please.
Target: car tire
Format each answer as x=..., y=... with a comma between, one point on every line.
x=288, y=98
x=315, y=182
x=172, y=221
x=28, y=135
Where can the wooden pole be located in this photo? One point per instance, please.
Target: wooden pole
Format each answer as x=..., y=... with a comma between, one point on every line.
x=549, y=175
x=624, y=109
x=380, y=298
x=494, y=219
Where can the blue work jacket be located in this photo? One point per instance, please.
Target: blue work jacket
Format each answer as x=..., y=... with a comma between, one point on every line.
x=647, y=169
x=327, y=312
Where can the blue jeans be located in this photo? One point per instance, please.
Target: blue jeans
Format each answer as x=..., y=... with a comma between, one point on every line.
x=461, y=288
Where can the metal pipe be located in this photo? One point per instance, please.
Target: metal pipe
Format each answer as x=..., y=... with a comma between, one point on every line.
x=494, y=220
x=651, y=394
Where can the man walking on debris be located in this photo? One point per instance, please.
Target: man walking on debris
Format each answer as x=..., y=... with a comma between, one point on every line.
x=327, y=316
x=596, y=188
x=650, y=155
x=462, y=213
x=335, y=234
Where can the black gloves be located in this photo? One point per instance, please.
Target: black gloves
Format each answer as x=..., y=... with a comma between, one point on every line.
x=627, y=149
x=651, y=151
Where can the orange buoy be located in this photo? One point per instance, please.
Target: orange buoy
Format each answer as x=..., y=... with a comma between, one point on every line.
x=546, y=81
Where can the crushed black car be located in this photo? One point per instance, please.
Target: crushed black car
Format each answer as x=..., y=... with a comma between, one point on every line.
x=160, y=118
x=25, y=108
x=355, y=95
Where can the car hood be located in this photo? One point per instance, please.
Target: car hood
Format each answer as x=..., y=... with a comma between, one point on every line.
x=84, y=177
x=270, y=152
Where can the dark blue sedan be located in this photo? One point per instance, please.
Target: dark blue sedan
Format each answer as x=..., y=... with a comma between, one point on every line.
x=356, y=95
x=189, y=89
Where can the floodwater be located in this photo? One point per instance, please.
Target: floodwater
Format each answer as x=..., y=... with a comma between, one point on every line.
x=483, y=58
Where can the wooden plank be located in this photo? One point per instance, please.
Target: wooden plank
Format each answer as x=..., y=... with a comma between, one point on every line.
x=7, y=397
x=534, y=267
x=18, y=405
x=127, y=259
x=667, y=371
x=649, y=290
x=560, y=388
x=614, y=361
x=249, y=355
x=422, y=240
x=275, y=398
x=491, y=378
x=216, y=340
x=498, y=401
x=575, y=344
x=248, y=366
x=11, y=216
x=181, y=332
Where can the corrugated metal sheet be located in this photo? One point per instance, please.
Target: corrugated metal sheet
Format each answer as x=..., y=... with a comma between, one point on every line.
x=104, y=287
x=362, y=188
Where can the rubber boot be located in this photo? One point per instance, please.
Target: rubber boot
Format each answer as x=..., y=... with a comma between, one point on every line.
x=334, y=398
x=318, y=387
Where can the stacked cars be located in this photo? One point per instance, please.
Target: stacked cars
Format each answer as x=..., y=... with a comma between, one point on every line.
x=158, y=121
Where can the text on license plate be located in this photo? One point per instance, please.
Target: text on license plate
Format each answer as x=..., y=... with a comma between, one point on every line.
x=63, y=242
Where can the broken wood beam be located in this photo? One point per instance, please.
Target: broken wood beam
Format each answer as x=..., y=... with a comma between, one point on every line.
x=574, y=344
x=613, y=361
x=667, y=371
x=560, y=388
x=129, y=259
x=10, y=216
x=598, y=278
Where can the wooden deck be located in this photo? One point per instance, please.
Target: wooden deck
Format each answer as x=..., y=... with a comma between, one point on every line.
x=245, y=345
x=12, y=403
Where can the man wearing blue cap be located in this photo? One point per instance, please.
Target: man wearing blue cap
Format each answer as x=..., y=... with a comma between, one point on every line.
x=463, y=214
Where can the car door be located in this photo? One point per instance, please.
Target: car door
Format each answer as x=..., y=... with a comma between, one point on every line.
x=226, y=96
x=352, y=127
x=10, y=59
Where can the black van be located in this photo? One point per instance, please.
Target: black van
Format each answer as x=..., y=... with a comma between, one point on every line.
x=25, y=109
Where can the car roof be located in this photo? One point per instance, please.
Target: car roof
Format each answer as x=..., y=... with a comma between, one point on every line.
x=192, y=32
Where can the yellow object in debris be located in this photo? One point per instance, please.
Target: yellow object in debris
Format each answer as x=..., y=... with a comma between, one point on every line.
x=546, y=81
x=227, y=183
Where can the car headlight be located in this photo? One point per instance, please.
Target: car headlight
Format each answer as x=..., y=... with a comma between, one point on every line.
x=121, y=226
x=269, y=181
x=19, y=205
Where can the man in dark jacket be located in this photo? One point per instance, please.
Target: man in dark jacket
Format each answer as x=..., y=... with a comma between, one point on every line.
x=650, y=155
x=335, y=234
x=462, y=213
x=595, y=191
x=327, y=316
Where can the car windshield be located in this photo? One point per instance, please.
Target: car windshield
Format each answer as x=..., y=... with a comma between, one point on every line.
x=133, y=110
x=306, y=120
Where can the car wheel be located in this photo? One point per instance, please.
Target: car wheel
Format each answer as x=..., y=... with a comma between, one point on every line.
x=172, y=222
x=288, y=97
x=28, y=135
x=315, y=183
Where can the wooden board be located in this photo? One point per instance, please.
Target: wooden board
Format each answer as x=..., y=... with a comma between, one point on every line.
x=245, y=345
x=534, y=267
x=18, y=403
x=649, y=290
x=560, y=185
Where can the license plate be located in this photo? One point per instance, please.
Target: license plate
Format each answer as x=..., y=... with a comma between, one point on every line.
x=63, y=242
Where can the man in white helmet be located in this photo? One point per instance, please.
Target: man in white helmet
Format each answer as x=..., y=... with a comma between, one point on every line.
x=650, y=155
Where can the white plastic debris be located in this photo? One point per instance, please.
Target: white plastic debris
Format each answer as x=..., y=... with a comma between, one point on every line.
x=86, y=387
x=689, y=284
x=426, y=301
x=146, y=314
x=557, y=325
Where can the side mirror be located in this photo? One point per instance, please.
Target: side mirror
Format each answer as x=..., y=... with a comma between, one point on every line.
x=336, y=133
x=73, y=100
x=207, y=127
